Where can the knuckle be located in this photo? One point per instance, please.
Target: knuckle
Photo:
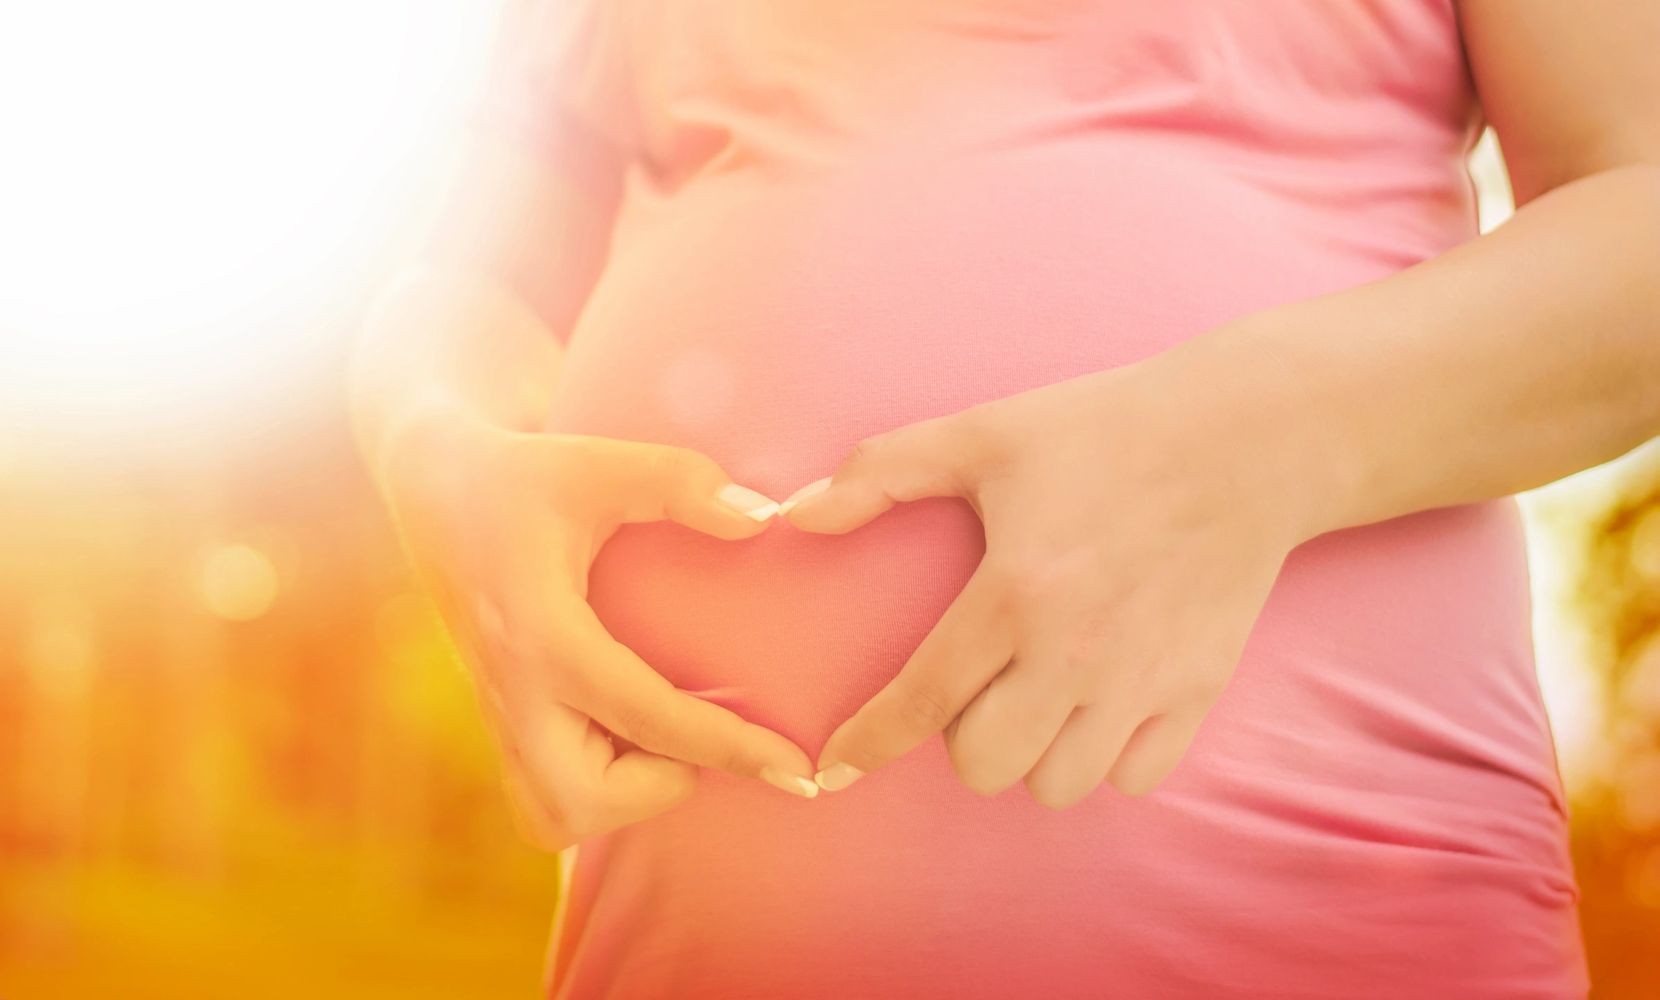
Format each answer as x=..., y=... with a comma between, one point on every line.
x=675, y=463
x=977, y=777
x=664, y=794
x=1026, y=591
x=864, y=452
x=1014, y=586
x=974, y=767
x=1082, y=658
x=1053, y=792
x=1134, y=783
x=863, y=753
x=1206, y=684
x=579, y=806
x=569, y=808
x=925, y=707
x=984, y=440
x=637, y=725
x=867, y=743
x=1180, y=684
x=679, y=787
x=735, y=754
x=1079, y=656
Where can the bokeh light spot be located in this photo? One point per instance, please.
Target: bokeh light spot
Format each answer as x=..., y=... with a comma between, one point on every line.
x=59, y=651
x=1639, y=800
x=1643, y=878
x=238, y=582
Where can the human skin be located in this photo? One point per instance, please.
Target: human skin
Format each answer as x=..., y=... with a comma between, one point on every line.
x=502, y=526
x=1135, y=519
x=1131, y=540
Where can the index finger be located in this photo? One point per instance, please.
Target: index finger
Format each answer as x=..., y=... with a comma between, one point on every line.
x=969, y=645
x=610, y=684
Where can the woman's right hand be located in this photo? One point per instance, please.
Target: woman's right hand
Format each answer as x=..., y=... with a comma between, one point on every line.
x=503, y=527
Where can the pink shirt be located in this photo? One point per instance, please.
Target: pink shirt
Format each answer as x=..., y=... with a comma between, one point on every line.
x=847, y=216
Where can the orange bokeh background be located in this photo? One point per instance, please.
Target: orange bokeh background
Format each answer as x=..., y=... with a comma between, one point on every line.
x=238, y=757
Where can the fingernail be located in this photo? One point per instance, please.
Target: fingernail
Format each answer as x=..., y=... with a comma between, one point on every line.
x=789, y=782
x=837, y=777
x=751, y=504
x=816, y=486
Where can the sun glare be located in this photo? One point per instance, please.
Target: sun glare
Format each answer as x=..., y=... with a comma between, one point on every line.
x=192, y=169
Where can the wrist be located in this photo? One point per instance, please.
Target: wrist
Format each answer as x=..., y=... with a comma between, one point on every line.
x=1254, y=399
x=443, y=346
x=425, y=442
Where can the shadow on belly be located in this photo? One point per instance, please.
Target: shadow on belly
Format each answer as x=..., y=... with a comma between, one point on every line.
x=791, y=630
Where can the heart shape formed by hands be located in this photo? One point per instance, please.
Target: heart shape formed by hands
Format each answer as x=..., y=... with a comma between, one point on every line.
x=1060, y=621
x=790, y=629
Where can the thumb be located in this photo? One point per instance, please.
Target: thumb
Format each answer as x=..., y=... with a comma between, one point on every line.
x=654, y=482
x=932, y=458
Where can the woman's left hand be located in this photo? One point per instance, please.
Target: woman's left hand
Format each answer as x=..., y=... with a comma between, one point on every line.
x=1133, y=532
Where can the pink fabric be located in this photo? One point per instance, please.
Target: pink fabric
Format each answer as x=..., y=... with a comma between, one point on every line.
x=847, y=216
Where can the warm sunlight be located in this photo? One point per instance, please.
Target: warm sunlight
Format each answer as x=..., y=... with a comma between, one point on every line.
x=950, y=498
x=197, y=168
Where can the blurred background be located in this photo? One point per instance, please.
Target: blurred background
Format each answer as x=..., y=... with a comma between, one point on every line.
x=237, y=757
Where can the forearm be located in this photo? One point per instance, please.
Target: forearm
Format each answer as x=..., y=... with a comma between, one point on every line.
x=1503, y=364
x=474, y=327
x=452, y=343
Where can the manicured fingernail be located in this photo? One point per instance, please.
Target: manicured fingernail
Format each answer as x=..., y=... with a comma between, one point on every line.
x=816, y=486
x=751, y=504
x=837, y=777
x=789, y=782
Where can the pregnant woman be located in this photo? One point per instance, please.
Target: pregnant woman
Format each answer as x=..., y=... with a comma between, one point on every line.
x=978, y=498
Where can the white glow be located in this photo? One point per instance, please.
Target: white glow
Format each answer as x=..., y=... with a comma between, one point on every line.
x=1569, y=655
x=1573, y=691
x=177, y=172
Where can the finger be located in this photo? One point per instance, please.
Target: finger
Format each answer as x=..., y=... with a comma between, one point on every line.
x=573, y=784
x=999, y=737
x=633, y=482
x=1081, y=755
x=634, y=786
x=637, y=785
x=966, y=648
x=935, y=457
x=1154, y=751
x=531, y=818
x=544, y=749
x=610, y=683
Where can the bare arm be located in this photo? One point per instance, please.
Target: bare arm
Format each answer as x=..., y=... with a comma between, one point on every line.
x=476, y=320
x=1523, y=356
x=450, y=386
x=1137, y=518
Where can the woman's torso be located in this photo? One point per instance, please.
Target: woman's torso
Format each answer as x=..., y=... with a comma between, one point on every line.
x=851, y=216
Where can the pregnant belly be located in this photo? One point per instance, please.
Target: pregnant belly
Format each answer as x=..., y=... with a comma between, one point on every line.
x=773, y=323
x=1380, y=760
